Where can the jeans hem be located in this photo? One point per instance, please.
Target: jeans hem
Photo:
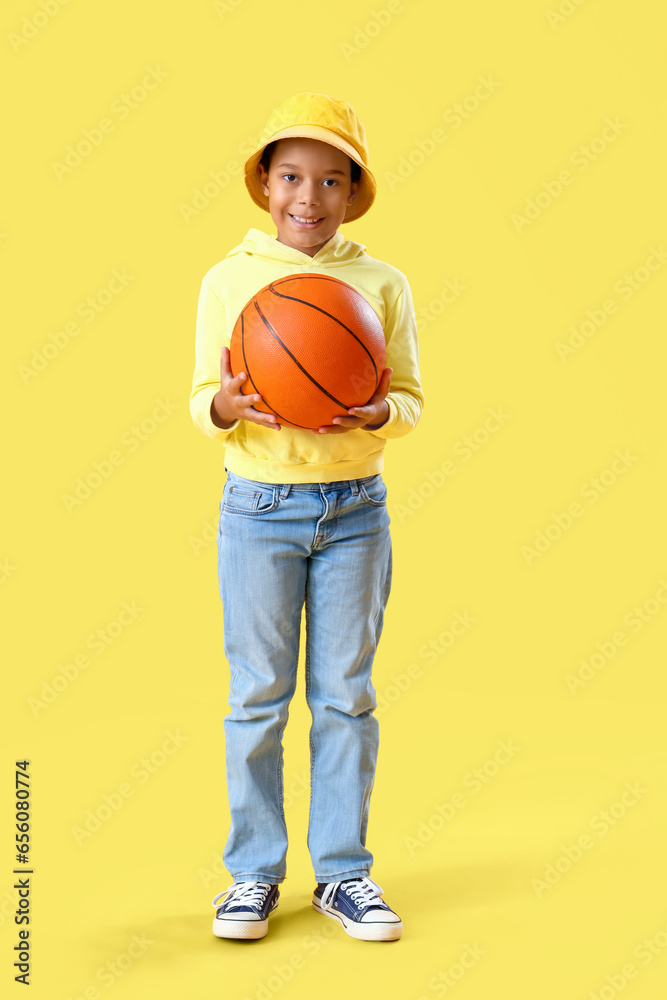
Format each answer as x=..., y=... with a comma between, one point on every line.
x=261, y=877
x=355, y=873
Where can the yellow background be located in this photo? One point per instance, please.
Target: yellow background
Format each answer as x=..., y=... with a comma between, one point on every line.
x=146, y=533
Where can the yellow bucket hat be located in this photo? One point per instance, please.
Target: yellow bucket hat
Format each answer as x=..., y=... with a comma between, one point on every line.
x=316, y=116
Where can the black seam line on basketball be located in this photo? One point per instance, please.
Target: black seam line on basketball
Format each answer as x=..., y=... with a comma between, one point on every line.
x=296, y=362
x=264, y=399
x=320, y=277
x=324, y=277
x=245, y=360
x=334, y=318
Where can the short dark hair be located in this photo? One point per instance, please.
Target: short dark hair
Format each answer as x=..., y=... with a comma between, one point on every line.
x=355, y=169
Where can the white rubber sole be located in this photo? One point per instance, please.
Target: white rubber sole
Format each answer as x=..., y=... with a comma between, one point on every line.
x=228, y=927
x=379, y=931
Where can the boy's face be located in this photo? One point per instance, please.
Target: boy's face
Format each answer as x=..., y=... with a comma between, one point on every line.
x=307, y=179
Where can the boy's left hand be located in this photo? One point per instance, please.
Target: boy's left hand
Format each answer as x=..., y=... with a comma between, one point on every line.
x=374, y=413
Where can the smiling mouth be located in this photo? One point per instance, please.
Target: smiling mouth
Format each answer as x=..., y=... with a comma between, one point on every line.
x=305, y=221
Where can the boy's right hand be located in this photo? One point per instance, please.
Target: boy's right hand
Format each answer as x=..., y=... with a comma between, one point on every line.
x=230, y=403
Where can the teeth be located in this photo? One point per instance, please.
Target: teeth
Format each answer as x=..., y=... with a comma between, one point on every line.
x=299, y=219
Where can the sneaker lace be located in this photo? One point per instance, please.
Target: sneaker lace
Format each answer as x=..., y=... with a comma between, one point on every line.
x=246, y=893
x=363, y=892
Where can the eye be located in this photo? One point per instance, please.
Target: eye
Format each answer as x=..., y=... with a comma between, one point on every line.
x=287, y=176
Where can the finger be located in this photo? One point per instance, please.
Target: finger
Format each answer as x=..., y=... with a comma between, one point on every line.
x=248, y=404
x=225, y=365
x=268, y=419
x=354, y=420
x=264, y=422
x=226, y=369
x=384, y=383
x=381, y=392
x=362, y=414
x=234, y=386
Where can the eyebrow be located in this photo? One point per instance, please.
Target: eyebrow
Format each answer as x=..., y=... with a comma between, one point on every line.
x=293, y=166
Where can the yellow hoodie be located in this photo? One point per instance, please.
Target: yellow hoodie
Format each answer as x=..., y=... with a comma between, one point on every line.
x=291, y=455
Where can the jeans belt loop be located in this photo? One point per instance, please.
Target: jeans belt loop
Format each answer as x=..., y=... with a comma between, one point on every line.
x=354, y=486
x=284, y=490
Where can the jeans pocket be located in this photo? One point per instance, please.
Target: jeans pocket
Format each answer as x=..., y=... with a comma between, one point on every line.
x=252, y=499
x=373, y=491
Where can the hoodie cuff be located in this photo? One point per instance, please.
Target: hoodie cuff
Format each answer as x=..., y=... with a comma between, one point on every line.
x=205, y=421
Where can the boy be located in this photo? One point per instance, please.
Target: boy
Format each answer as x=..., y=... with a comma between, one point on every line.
x=303, y=520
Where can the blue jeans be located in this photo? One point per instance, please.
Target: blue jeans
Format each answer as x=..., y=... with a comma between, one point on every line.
x=280, y=545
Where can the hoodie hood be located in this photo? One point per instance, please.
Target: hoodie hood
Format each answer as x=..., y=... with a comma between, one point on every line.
x=336, y=250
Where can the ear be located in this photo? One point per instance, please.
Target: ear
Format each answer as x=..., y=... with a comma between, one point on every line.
x=354, y=190
x=263, y=178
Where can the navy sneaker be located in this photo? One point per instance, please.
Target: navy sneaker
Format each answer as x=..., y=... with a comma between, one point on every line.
x=245, y=912
x=356, y=904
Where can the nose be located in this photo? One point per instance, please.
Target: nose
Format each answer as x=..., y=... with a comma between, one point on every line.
x=308, y=193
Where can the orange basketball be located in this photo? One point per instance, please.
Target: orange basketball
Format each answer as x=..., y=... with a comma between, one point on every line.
x=311, y=345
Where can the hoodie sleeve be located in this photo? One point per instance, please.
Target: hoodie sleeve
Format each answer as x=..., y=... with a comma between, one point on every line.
x=210, y=338
x=405, y=397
